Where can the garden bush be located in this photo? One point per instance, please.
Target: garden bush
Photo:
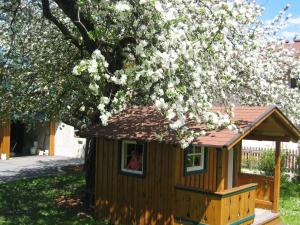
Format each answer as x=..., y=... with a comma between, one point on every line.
x=297, y=177
x=250, y=163
x=267, y=163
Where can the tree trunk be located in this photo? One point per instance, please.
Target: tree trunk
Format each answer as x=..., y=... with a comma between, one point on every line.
x=89, y=170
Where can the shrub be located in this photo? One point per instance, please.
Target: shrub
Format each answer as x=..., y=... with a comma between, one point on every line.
x=267, y=162
x=250, y=163
x=297, y=178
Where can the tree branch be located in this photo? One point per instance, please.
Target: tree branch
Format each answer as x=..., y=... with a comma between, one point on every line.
x=48, y=15
x=84, y=25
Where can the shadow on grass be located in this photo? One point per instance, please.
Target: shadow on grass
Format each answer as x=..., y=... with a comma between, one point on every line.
x=32, y=201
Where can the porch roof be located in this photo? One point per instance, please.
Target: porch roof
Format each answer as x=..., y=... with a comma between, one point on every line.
x=146, y=124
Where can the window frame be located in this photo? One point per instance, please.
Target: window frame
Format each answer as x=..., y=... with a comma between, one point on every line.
x=198, y=170
x=127, y=172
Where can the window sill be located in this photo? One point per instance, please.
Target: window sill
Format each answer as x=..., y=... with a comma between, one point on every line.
x=132, y=174
x=195, y=172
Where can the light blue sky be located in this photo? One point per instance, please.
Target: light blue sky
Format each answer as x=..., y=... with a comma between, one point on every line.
x=272, y=7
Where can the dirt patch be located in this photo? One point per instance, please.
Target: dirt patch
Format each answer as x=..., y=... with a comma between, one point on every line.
x=73, y=168
x=74, y=204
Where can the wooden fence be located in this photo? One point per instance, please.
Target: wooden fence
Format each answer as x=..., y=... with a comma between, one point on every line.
x=290, y=159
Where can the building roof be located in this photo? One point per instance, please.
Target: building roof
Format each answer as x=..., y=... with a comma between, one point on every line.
x=146, y=124
x=294, y=45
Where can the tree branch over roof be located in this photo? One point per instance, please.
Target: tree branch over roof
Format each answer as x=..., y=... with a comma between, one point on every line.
x=48, y=15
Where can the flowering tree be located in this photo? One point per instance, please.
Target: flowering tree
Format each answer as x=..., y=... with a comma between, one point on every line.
x=181, y=56
x=84, y=60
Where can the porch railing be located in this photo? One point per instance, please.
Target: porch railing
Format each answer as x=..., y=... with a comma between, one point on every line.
x=264, y=197
x=233, y=206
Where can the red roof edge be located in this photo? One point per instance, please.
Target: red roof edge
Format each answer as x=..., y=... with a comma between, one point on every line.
x=257, y=122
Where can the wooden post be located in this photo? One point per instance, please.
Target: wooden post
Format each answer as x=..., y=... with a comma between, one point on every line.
x=221, y=169
x=1, y=140
x=5, y=139
x=237, y=163
x=51, y=138
x=277, y=177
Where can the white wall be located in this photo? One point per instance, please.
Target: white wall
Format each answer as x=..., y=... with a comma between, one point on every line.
x=66, y=144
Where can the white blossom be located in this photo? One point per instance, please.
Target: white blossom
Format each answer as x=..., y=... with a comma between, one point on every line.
x=122, y=6
x=104, y=119
x=104, y=100
x=188, y=56
x=75, y=70
x=101, y=107
x=94, y=88
x=123, y=79
x=170, y=114
x=158, y=6
x=93, y=66
x=82, y=108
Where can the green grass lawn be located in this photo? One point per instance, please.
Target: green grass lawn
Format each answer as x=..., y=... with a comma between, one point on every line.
x=42, y=201
x=290, y=203
x=35, y=201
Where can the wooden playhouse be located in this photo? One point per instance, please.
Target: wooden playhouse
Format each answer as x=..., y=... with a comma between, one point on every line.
x=143, y=179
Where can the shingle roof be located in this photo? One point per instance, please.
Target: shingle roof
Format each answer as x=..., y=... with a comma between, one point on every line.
x=146, y=124
x=294, y=45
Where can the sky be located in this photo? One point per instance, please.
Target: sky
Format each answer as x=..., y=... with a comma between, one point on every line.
x=272, y=7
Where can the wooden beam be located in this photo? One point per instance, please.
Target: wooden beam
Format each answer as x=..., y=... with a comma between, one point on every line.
x=259, y=137
x=238, y=162
x=225, y=166
x=51, y=138
x=5, y=139
x=1, y=139
x=263, y=204
x=284, y=121
x=221, y=169
x=277, y=177
x=273, y=125
x=256, y=123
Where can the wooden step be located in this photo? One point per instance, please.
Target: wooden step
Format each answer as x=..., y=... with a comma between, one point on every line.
x=266, y=217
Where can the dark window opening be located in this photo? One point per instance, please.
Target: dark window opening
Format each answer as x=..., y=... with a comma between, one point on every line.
x=132, y=158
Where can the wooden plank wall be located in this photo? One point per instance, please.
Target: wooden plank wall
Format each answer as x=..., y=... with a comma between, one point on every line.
x=207, y=181
x=5, y=138
x=153, y=199
x=131, y=200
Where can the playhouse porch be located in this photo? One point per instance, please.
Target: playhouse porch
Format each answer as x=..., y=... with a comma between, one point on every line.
x=252, y=201
x=241, y=198
x=231, y=207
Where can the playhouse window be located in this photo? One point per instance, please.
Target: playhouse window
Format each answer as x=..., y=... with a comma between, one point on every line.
x=195, y=159
x=133, y=158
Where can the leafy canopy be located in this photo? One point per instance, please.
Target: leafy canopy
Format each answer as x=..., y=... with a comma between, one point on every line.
x=85, y=60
